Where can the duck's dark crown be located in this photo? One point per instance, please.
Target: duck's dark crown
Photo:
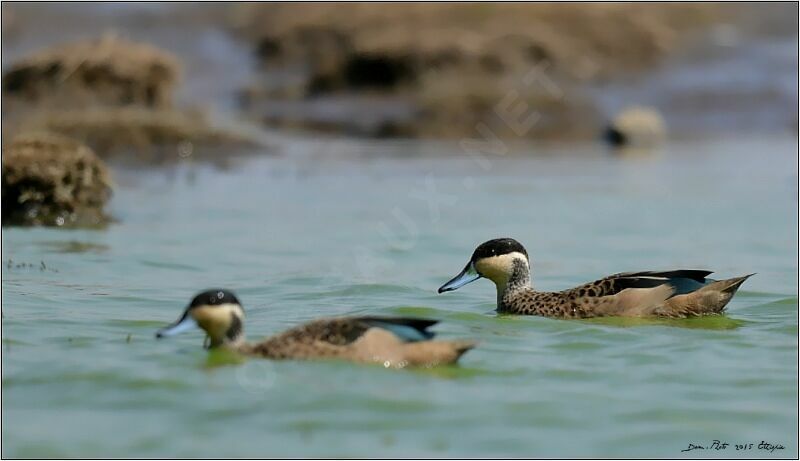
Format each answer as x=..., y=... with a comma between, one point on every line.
x=214, y=298
x=497, y=247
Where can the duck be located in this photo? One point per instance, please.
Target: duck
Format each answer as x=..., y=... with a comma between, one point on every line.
x=669, y=294
x=394, y=342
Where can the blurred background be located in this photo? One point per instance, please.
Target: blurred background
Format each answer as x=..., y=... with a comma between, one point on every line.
x=332, y=159
x=429, y=71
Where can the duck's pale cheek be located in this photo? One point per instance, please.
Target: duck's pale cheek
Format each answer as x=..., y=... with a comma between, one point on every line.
x=496, y=268
x=220, y=322
x=212, y=319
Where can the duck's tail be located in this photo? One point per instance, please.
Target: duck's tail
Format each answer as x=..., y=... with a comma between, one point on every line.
x=432, y=353
x=710, y=299
x=731, y=285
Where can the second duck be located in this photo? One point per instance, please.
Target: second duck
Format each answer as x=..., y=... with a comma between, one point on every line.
x=678, y=293
x=394, y=342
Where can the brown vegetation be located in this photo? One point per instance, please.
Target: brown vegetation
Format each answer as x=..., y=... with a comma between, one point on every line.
x=52, y=180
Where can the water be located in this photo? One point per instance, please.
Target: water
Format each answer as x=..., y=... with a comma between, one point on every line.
x=338, y=227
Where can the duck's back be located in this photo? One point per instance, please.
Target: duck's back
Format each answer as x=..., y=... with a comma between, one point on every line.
x=317, y=339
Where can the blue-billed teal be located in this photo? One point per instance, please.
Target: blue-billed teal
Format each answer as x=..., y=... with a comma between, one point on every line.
x=677, y=293
x=392, y=341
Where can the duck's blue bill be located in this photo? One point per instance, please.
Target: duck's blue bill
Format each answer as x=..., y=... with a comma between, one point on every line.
x=469, y=274
x=184, y=323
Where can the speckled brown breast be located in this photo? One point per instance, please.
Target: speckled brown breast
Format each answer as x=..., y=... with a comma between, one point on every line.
x=547, y=304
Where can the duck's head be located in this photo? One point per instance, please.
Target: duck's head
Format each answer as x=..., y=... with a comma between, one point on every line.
x=504, y=261
x=217, y=312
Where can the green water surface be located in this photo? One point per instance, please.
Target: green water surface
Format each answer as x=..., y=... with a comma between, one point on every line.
x=339, y=227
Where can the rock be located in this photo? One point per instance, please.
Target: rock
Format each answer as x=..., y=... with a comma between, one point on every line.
x=460, y=65
x=105, y=71
x=639, y=127
x=116, y=97
x=51, y=180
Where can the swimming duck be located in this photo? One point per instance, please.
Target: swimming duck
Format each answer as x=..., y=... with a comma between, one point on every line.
x=676, y=294
x=393, y=342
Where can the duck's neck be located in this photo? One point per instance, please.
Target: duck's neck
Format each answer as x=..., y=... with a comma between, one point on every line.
x=520, y=279
x=232, y=338
x=235, y=343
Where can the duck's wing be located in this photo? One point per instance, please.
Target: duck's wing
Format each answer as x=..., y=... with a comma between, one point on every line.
x=345, y=330
x=409, y=329
x=681, y=281
x=679, y=293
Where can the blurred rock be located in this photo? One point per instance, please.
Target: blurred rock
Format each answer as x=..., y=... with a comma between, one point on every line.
x=636, y=127
x=105, y=71
x=51, y=180
x=116, y=97
x=461, y=64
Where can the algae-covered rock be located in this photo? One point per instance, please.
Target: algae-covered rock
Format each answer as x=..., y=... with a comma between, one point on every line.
x=51, y=180
x=104, y=71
